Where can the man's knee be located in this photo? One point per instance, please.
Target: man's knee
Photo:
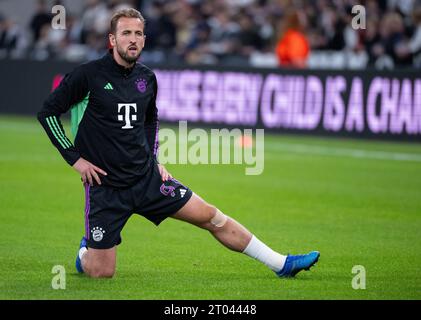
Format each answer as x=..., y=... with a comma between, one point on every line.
x=98, y=266
x=215, y=219
x=219, y=219
x=99, y=263
x=101, y=272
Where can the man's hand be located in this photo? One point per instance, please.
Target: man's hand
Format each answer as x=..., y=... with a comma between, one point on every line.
x=164, y=173
x=87, y=170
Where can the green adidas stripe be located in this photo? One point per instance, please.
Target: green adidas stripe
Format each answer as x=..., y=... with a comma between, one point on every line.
x=61, y=132
x=108, y=86
x=58, y=131
x=76, y=114
x=55, y=134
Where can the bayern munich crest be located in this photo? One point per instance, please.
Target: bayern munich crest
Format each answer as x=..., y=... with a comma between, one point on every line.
x=97, y=234
x=141, y=85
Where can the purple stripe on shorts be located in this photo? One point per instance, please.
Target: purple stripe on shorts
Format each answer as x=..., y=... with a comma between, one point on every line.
x=155, y=149
x=87, y=209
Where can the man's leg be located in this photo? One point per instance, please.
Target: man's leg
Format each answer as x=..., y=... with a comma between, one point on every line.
x=106, y=212
x=229, y=232
x=98, y=263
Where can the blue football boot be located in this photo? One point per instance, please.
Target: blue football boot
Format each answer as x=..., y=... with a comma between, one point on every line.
x=83, y=243
x=296, y=263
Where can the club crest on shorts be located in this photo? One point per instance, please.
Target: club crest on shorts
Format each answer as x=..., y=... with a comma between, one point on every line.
x=167, y=190
x=97, y=234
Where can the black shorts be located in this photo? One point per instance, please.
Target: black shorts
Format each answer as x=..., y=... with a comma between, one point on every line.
x=107, y=209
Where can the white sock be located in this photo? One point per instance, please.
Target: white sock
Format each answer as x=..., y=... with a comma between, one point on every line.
x=82, y=251
x=259, y=251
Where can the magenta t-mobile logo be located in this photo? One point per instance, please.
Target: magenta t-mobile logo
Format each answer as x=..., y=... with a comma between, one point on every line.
x=127, y=117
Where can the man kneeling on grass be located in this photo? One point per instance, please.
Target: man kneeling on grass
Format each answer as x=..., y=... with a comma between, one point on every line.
x=115, y=123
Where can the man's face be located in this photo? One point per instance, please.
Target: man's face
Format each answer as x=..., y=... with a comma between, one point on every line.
x=129, y=39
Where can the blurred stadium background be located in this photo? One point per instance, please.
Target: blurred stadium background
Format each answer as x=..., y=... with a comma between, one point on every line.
x=231, y=32
x=342, y=112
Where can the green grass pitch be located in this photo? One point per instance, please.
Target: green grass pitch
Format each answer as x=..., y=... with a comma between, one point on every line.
x=346, y=198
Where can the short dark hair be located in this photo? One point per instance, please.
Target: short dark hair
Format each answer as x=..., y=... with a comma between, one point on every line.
x=126, y=13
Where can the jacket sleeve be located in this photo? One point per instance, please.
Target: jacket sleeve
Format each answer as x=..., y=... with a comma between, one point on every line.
x=72, y=89
x=152, y=123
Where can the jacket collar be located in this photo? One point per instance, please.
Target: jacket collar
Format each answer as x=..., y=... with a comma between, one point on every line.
x=119, y=68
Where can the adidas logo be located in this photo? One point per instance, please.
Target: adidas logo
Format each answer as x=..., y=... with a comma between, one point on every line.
x=108, y=86
x=182, y=192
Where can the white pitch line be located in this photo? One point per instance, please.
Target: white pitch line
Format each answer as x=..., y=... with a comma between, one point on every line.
x=344, y=152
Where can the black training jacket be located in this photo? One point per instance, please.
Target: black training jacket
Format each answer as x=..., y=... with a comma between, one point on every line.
x=113, y=116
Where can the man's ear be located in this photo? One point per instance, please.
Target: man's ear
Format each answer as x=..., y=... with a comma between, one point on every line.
x=111, y=37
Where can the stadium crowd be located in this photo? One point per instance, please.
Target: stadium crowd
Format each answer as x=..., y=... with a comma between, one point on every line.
x=228, y=32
